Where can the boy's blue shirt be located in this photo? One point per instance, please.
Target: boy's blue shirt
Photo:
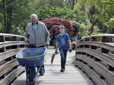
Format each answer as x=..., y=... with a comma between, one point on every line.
x=63, y=41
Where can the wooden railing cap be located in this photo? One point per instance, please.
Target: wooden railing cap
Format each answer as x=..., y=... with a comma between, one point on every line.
x=11, y=35
x=99, y=35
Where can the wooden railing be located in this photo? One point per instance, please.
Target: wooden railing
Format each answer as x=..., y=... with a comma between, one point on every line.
x=95, y=57
x=9, y=67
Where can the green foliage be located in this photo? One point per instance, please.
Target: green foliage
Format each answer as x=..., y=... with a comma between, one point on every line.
x=76, y=27
x=111, y=21
x=104, y=11
x=54, y=44
x=1, y=17
x=82, y=29
x=14, y=13
x=49, y=11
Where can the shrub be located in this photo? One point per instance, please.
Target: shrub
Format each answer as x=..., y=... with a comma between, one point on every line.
x=76, y=27
x=53, y=24
x=73, y=44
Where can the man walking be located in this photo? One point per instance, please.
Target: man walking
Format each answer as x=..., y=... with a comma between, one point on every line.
x=37, y=35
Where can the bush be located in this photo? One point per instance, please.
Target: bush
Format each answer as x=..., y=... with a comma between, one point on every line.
x=73, y=44
x=54, y=44
x=76, y=27
x=53, y=24
x=82, y=29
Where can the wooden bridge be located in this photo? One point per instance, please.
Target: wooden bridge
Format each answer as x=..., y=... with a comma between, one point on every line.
x=91, y=63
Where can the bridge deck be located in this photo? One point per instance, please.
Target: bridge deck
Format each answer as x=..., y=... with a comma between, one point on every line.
x=53, y=76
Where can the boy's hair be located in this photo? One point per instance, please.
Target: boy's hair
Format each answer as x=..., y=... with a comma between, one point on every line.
x=61, y=27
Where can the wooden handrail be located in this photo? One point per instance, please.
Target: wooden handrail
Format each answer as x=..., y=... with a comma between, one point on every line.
x=10, y=45
x=10, y=35
x=95, y=56
x=100, y=35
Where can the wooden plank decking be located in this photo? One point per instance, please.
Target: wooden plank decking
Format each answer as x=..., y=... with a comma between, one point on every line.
x=53, y=76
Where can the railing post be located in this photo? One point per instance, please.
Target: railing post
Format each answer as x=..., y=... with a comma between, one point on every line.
x=23, y=39
x=77, y=38
x=87, y=39
x=76, y=50
x=14, y=38
x=93, y=39
x=2, y=38
x=104, y=39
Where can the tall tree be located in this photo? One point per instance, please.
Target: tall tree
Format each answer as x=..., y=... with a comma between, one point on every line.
x=70, y=3
x=106, y=8
x=15, y=13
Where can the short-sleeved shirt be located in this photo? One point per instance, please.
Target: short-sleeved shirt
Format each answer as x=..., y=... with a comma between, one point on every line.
x=63, y=41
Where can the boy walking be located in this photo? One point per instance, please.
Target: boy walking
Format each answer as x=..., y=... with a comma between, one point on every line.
x=63, y=40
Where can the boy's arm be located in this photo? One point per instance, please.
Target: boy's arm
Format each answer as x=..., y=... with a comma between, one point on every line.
x=57, y=43
x=70, y=48
x=69, y=43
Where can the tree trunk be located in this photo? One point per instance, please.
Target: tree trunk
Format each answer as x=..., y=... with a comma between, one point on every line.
x=53, y=34
x=92, y=27
x=109, y=29
x=76, y=1
x=72, y=7
x=51, y=2
x=9, y=17
x=112, y=31
x=4, y=13
x=71, y=3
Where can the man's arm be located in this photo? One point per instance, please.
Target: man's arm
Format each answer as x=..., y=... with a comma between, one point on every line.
x=26, y=35
x=57, y=43
x=47, y=35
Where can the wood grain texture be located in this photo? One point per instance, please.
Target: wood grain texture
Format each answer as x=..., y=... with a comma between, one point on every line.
x=53, y=76
x=11, y=76
x=7, y=54
x=105, y=57
x=90, y=73
x=98, y=67
x=8, y=66
x=11, y=43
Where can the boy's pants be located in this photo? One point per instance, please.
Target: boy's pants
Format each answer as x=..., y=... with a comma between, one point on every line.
x=42, y=70
x=63, y=55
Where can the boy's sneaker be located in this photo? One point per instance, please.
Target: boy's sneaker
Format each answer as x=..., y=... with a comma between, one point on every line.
x=62, y=70
x=41, y=74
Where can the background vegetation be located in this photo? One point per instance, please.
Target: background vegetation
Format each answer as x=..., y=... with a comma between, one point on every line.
x=87, y=16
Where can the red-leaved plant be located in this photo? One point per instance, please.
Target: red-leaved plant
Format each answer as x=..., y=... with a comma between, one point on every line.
x=53, y=24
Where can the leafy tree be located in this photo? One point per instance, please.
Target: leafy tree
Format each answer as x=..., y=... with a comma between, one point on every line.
x=70, y=3
x=106, y=11
x=49, y=11
x=16, y=14
x=91, y=15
